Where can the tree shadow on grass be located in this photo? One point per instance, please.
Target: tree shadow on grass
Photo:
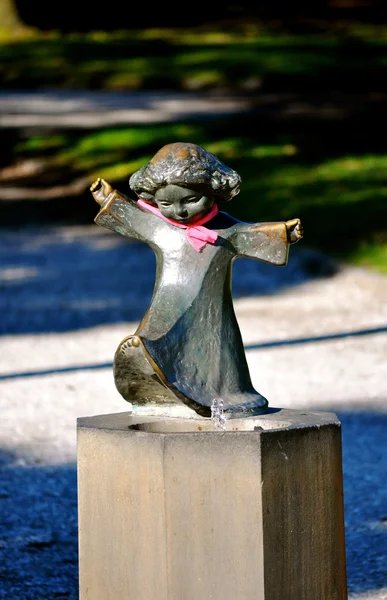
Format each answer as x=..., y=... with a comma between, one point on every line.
x=38, y=529
x=224, y=56
x=329, y=172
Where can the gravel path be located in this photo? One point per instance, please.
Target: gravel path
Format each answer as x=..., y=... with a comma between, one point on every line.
x=315, y=336
x=84, y=109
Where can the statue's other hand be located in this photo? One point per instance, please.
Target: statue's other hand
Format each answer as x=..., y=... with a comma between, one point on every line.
x=100, y=190
x=295, y=230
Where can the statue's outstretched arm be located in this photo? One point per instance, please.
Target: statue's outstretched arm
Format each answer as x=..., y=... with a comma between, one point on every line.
x=120, y=213
x=268, y=242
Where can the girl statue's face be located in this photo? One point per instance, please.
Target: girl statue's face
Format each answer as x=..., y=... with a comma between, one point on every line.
x=182, y=204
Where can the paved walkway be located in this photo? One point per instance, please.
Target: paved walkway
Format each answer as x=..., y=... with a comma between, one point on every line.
x=85, y=109
x=73, y=108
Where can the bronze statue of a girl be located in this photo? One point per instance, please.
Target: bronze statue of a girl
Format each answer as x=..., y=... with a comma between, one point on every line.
x=188, y=347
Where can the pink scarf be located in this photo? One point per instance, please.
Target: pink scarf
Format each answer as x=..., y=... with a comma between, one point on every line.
x=197, y=235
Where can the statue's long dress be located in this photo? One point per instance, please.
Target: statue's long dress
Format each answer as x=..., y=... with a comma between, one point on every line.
x=188, y=346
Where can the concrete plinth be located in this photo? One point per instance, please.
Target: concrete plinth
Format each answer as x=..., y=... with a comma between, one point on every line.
x=172, y=510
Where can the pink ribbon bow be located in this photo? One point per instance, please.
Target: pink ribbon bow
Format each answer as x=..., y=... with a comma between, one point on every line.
x=197, y=235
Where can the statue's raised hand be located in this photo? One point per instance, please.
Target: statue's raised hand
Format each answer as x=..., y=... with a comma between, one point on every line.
x=100, y=190
x=295, y=230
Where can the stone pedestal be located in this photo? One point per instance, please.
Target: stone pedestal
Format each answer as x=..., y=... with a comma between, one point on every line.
x=170, y=509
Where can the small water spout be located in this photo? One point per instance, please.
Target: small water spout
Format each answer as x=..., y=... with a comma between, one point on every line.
x=218, y=417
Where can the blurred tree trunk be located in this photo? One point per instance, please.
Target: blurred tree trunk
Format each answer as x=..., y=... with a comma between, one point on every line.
x=9, y=15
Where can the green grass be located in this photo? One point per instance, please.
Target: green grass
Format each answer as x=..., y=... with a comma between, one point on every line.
x=191, y=58
x=372, y=256
x=340, y=194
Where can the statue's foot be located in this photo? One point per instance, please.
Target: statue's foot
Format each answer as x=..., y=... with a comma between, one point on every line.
x=137, y=377
x=140, y=380
x=235, y=406
x=246, y=404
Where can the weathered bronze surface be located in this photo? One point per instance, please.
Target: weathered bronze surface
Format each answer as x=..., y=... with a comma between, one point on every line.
x=188, y=347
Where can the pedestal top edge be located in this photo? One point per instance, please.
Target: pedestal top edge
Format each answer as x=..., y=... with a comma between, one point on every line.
x=277, y=418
